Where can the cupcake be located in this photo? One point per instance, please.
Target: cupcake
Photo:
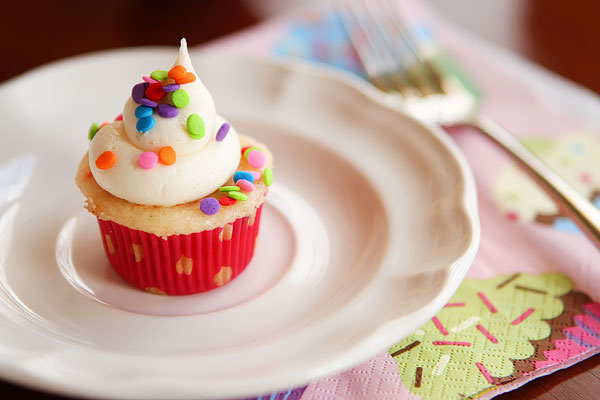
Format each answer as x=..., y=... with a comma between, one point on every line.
x=176, y=191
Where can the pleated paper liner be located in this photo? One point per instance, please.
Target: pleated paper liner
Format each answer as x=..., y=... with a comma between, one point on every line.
x=181, y=264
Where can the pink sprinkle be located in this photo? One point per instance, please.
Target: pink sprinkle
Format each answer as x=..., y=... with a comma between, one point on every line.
x=487, y=302
x=147, y=160
x=455, y=305
x=522, y=317
x=586, y=177
x=245, y=185
x=444, y=343
x=149, y=79
x=484, y=372
x=512, y=216
x=439, y=325
x=487, y=334
x=256, y=175
x=256, y=159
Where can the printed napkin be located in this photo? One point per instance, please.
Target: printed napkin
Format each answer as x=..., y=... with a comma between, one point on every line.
x=530, y=304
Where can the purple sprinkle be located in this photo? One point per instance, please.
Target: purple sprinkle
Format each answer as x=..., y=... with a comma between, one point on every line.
x=149, y=79
x=223, y=131
x=148, y=102
x=170, y=87
x=138, y=91
x=209, y=206
x=167, y=111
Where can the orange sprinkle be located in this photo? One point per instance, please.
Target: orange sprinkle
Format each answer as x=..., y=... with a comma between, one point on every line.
x=180, y=75
x=166, y=155
x=103, y=125
x=106, y=160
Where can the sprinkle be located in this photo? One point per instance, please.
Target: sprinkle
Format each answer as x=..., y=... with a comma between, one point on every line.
x=93, y=130
x=145, y=124
x=487, y=334
x=528, y=289
x=244, y=149
x=508, y=280
x=245, y=185
x=180, y=74
x=171, y=87
x=248, y=149
x=439, y=325
x=237, y=195
x=455, y=305
x=143, y=111
x=148, y=102
x=229, y=189
x=256, y=158
x=106, y=160
x=195, y=126
x=466, y=324
x=227, y=201
x=167, y=111
x=147, y=160
x=418, y=376
x=255, y=174
x=137, y=93
x=166, y=155
x=103, y=125
x=149, y=79
x=487, y=302
x=155, y=92
x=441, y=365
x=405, y=349
x=210, y=206
x=268, y=176
x=223, y=131
x=159, y=75
x=484, y=372
x=180, y=98
x=243, y=175
x=522, y=317
x=119, y=117
x=445, y=343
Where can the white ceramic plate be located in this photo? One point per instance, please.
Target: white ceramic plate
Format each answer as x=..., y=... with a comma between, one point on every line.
x=368, y=230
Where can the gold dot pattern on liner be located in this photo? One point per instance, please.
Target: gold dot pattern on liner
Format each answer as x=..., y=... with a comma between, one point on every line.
x=184, y=265
x=138, y=252
x=109, y=244
x=155, y=290
x=223, y=276
x=226, y=232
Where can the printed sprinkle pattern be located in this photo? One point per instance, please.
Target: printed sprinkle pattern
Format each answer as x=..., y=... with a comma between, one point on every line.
x=495, y=331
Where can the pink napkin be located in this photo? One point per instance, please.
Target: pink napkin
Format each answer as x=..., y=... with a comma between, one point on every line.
x=529, y=306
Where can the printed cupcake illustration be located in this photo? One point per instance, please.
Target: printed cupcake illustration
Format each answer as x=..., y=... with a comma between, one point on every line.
x=575, y=157
x=177, y=192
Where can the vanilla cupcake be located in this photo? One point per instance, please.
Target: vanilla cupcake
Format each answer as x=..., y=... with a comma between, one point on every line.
x=177, y=192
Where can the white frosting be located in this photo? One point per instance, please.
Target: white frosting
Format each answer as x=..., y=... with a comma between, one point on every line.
x=202, y=165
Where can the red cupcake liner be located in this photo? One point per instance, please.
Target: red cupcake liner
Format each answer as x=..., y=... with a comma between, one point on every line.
x=181, y=264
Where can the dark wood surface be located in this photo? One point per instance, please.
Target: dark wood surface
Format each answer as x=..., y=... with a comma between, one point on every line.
x=562, y=36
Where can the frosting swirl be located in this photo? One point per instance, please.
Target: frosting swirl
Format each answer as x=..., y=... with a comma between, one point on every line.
x=130, y=151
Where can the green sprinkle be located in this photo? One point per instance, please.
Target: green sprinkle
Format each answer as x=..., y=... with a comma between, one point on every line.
x=92, y=131
x=195, y=126
x=268, y=176
x=180, y=98
x=159, y=75
x=238, y=196
x=229, y=188
x=249, y=149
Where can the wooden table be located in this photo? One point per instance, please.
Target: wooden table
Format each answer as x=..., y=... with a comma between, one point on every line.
x=561, y=36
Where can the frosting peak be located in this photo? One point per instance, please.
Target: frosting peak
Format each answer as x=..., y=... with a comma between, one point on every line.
x=166, y=151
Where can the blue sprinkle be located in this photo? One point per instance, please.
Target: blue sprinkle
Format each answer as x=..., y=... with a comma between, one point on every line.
x=243, y=175
x=143, y=111
x=566, y=225
x=145, y=124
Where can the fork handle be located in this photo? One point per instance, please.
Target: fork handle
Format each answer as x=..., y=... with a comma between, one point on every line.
x=570, y=202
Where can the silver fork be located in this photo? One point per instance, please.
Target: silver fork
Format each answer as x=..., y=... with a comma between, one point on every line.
x=406, y=70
